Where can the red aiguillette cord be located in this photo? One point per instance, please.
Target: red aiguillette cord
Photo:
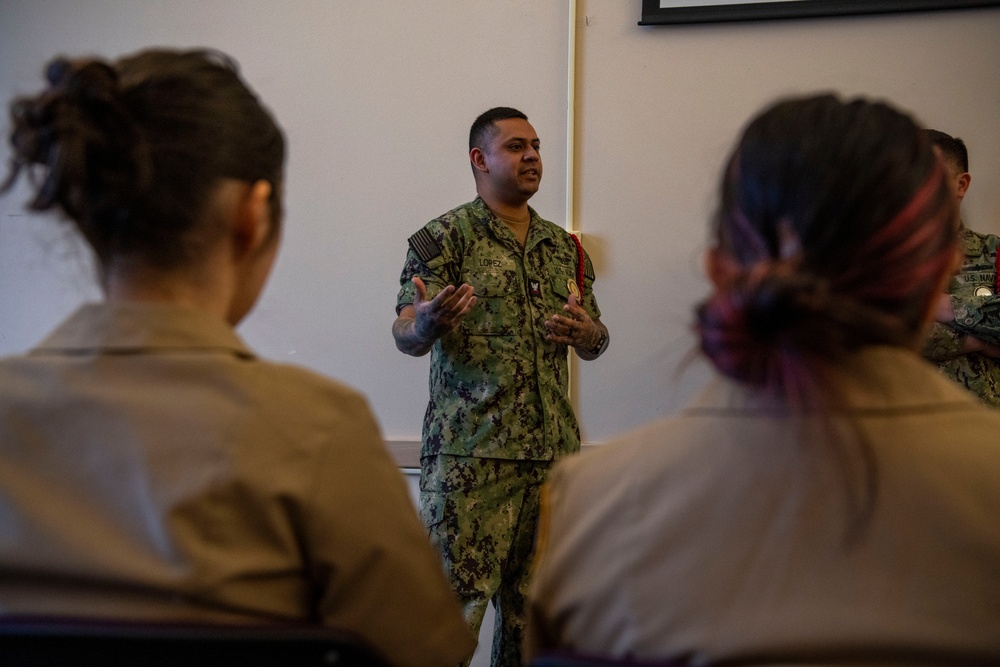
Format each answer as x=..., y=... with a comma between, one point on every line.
x=579, y=264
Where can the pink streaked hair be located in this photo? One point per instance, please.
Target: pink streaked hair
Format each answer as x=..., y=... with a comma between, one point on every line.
x=893, y=275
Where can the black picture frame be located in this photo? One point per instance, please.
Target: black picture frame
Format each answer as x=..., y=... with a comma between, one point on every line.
x=654, y=14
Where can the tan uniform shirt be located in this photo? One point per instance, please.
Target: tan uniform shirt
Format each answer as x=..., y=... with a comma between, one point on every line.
x=735, y=531
x=152, y=467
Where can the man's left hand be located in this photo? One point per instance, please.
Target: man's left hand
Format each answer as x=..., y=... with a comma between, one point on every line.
x=574, y=328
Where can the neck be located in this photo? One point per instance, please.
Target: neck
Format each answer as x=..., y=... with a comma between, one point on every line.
x=125, y=282
x=515, y=215
x=512, y=213
x=519, y=226
x=516, y=209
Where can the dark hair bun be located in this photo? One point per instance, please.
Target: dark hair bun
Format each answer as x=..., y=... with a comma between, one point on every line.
x=89, y=80
x=758, y=328
x=133, y=150
x=88, y=148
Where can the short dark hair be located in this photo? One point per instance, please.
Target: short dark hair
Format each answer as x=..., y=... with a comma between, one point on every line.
x=132, y=150
x=953, y=148
x=484, y=127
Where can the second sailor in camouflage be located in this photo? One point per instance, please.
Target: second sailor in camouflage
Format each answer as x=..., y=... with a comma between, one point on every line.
x=965, y=340
x=976, y=313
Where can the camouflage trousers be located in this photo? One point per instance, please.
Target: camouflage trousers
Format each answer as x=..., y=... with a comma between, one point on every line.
x=481, y=514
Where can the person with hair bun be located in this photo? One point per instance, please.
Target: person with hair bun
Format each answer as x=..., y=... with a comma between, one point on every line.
x=152, y=467
x=829, y=498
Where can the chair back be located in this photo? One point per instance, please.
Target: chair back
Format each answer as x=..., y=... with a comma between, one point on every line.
x=910, y=658
x=59, y=642
x=564, y=658
x=573, y=659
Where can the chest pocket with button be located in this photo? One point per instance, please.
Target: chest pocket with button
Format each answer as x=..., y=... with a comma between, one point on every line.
x=496, y=312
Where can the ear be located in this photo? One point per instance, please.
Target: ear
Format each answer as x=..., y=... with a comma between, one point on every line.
x=478, y=159
x=252, y=225
x=962, y=184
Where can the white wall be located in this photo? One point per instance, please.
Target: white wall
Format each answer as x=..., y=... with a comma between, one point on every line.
x=377, y=96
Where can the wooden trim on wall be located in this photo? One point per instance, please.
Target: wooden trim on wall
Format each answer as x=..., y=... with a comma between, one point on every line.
x=406, y=452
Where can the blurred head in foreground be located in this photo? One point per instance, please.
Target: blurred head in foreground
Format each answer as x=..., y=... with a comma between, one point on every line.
x=836, y=229
x=167, y=164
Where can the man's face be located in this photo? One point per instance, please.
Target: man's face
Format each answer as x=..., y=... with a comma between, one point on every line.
x=514, y=165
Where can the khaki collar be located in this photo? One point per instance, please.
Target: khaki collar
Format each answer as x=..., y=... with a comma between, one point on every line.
x=132, y=327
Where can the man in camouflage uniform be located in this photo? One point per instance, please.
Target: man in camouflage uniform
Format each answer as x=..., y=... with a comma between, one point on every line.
x=497, y=295
x=965, y=340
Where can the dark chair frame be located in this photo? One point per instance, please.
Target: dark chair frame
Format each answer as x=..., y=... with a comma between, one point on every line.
x=564, y=658
x=912, y=657
x=66, y=642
